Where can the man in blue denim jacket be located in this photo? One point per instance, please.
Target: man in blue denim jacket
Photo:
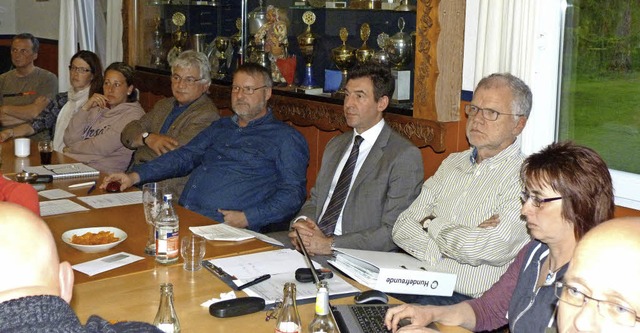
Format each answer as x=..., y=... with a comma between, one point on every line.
x=248, y=170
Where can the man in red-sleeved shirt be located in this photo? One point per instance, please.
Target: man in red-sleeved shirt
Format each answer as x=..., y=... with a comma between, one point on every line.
x=22, y=194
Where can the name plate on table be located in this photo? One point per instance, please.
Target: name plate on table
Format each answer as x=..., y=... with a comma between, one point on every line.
x=393, y=272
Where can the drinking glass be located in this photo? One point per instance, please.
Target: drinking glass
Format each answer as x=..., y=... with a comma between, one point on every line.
x=192, y=249
x=45, y=147
x=152, y=204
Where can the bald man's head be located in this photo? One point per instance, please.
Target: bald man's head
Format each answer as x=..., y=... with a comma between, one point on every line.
x=30, y=257
x=605, y=266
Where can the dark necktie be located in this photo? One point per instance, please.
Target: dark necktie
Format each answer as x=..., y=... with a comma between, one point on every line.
x=328, y=222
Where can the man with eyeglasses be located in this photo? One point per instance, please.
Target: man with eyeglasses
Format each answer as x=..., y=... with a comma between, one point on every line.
x=600, y=292
x=27, y=89
x=174, y=121
x=466, y=219
x=248, y=170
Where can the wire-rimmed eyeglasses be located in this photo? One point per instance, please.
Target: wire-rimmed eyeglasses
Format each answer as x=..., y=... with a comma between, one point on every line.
x=618, y=313
x=535, y=201
x=488, y=114
x=245, y=90
x=189, y=80
x=80, y=70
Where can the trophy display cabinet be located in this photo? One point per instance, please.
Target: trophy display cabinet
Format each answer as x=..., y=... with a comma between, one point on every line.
x=430, y=119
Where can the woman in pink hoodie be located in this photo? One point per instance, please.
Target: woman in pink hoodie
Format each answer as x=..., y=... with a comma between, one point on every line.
x=93, y=134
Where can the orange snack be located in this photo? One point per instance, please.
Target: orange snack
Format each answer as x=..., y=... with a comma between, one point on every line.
x=91, y=238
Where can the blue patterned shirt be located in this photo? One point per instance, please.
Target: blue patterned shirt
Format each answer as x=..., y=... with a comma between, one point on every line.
x=46, y=120
x=259, y=169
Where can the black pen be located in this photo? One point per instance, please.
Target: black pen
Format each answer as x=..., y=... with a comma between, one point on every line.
x=92, y=188
x=256, y=281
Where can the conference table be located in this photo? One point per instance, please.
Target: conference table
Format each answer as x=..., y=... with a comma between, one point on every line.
x=132, y=292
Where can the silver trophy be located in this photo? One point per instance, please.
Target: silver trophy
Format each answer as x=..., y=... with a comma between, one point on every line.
x=381, y=56
x=400, y=47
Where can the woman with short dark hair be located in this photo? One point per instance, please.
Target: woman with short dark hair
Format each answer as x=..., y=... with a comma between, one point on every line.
x=567, y=191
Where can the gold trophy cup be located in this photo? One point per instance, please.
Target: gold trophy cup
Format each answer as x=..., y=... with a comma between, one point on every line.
x=344, y=57
x=364, y=53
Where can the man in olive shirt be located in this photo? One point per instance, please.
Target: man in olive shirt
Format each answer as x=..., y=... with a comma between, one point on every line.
x=174, y=121
x=26, y=89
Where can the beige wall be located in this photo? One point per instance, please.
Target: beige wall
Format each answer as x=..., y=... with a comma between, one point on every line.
x=41, y=18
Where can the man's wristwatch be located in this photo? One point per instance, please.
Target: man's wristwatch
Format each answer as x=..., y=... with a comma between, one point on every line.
x=145, y=135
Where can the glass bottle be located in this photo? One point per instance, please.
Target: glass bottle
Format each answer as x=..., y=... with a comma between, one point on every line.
x=323, y=321
x=166, y=319
x=167, y=233
x=289, y=319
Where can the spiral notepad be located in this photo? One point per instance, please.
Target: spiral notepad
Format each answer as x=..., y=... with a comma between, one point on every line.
x=62, y=171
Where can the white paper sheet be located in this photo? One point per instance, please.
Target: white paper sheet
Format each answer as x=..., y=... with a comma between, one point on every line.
x=113, y=199
x=56, y=194
x=271, y=289
x=264, y=238
x=250, y=266
x=62, y=206
x=107, y=263
x=221, y=232
x=281, y=264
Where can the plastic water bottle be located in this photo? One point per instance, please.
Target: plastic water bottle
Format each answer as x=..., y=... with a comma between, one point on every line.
x=167, y=233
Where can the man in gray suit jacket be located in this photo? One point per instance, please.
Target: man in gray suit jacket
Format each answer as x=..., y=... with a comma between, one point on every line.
x=385, y=178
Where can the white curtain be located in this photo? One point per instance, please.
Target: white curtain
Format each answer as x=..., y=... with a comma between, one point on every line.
x=114, y=49
x=76, y=28
x=83, y=24
x=513, y=36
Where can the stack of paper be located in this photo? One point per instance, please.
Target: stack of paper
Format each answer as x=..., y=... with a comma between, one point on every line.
x=281, y=265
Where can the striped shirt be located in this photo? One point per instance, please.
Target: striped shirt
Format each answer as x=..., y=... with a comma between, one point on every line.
x=441, y=225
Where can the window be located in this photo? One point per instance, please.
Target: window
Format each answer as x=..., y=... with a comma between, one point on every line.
x=599, y=90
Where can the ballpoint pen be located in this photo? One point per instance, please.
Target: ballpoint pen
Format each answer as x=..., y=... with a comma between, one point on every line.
x=254, y=282
x=20, y=94
x=92, y=188
x=91, y=183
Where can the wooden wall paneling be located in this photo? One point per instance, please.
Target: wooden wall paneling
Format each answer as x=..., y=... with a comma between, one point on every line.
x=450, y=48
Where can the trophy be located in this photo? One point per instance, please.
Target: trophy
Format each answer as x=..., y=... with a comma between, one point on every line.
x=400, y=50
x=236, y=42
x=404, y=6
x=364, y=53
x=306, y=41
x=400, y=47
x=178, y=37
x=157, y=54
x=344, y=56
x=222, y=44
x=381, y=56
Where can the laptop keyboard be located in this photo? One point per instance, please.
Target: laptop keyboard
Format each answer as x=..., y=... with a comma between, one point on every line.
x=371, y=318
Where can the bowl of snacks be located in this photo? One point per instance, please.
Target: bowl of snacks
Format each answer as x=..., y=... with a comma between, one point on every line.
x=96, y=239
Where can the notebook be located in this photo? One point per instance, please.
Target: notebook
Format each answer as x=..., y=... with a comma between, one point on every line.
x=363, y=318
x=63, y=171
